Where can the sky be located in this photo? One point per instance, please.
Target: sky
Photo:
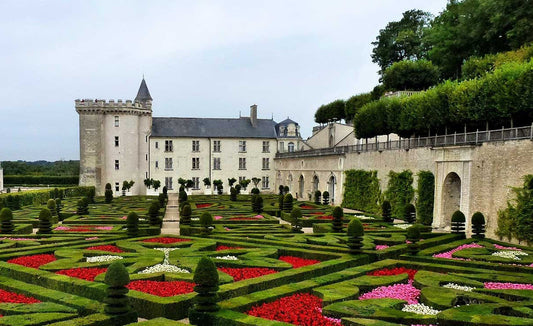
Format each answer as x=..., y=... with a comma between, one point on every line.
x=199, y=59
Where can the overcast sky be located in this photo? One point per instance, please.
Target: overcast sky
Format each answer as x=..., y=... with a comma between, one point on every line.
x=199, y=58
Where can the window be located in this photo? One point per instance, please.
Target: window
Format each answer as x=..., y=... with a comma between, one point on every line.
x=117, y=165
x=195, y=183
x=168, y=146
x=156, y=144
x=291, y=147
x=266, y=147
x=266, y=163
x=117, y=186
x=145, y=139
x=146, y=157
x=241, y=178
x=146, y=175
x=281, y=147
x=116, y=141
x=216, y=146
x=168, y=163
x=116, y=121
x=195, y=163
x=168, y=183
x=195, y=145
x=157, y=164
x=264, y=183
x=242, y=145
x=242, y=163
x=216, y=163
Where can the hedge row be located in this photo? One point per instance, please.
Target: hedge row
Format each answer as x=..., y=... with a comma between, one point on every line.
x=400, y=191
x=425, y=202
x=362, y=191
x=39, y=197
x=16, y=180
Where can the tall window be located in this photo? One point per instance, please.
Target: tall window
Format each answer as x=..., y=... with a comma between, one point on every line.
x=216, y=146
x=156, y=144
x=195, y=163
x=117, y=165
x=216, y=163
x=264, y=183
x=281, y=147
x=266, y=163
x=168, y=163
x=242, y=145
x=116, y=141
x=168, y=146
x=116, y=121
x=242, y=163
x=195, y=145
x=266, y=146
x=195, y=183
x=117, y=186
x=168, y=183
x=157, y=164
x=291, y=147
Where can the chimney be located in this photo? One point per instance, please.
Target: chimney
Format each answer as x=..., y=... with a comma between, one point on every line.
x=253, y=115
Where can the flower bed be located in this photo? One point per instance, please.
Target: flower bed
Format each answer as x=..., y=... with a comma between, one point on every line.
x=101, y=259
x=85, y=273
x=203, y=205
x=85, y=228
x=325, y=217
x=307, y=207
x=507, y=286
x=299, y=309
x=244, y=273
x=394, y=271
x=109, y=248
x=11, y=297
x=161, y=288
x=220, y=248
x=297, y=262
x=381, y=247
x=405, y=292
x=166, y=240
x=33, y=261
x=449, y=254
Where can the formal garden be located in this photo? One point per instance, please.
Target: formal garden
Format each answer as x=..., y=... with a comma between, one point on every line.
x=71, y=258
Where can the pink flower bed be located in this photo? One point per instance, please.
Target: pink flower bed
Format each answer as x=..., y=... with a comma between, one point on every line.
x=218, y=217
x=449, y=254
x=497, y=246
x=405, y=292
x=381, y=247
x=507, y=286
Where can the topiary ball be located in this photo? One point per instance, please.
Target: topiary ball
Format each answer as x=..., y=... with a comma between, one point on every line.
x=45, y=215
x=337, y=212
x=6, y=215
x=458, y=216
x=296, y=213
x=206, y=220
x=51, y=204
x=117, y=275
x=413, y=233
x=355, y=228
x=478, y=219
x=206, y=274
x=132, y=218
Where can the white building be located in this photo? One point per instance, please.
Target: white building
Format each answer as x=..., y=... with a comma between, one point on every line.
x=120, y=141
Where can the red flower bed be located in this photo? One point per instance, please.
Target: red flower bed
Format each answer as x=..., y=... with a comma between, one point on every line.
x=12, y=297
x=316, y=213
x=299, y=309
x=325, y=217
x=203, y=205
x=240, y=274
x=166, y=240
x=307, y=207
x=109, y=248
x=88, y=273
x=297, y=262
x=33, y=261
x=163, y=288
x=244, y=218
x=220, y=248
x=394, y=271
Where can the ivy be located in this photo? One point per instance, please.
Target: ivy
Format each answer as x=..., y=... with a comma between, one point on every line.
x=516, y=220
x=362, y=191
x=426, y=193
x=400, y=191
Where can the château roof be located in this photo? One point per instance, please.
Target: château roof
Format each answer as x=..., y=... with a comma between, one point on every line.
x=143, y=94
x=287, y=122
x=213, y=127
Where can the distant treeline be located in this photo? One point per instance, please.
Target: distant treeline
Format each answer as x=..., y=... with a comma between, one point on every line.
x=20, y=180
x=41, y=168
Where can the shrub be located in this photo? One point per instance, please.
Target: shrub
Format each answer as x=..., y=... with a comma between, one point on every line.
x=400, y=191
x=182, y=196
x=287, y=203
x=116, y=301
x=161, y=199
x=232, y=194
x=286, y=189
x=281, y=190
x=338, y=214
x=325, y=197
x=132, y=223
x=185, y=215
x=257, y=203
x=296, y=216
x=238, y=187
x=206, y=280
x=386, y=212
x=58, y=207
x=317, y=197
x=165, y=192
x=478, y=225
x=51, y=205
x=90, y=195
x=410, y=75
x=413, y=236
x=458, y=222
x=426, y=195
x=6, y=220
x=355, y=235
x=108, y=194
x=361, y=191
x=515, y=220
x=83, y=206
x=255, y=191
x=409, y=214
x=45, y=223
x=206, y=221
x=280, y=201
x=207, y=182
x=153, y=213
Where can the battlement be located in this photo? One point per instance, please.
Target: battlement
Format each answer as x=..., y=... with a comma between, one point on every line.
x=111, y=104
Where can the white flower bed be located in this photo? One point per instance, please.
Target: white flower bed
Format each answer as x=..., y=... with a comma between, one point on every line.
x=195, y=218
x=166, y=251
x=163, y=268
x=403, y=226
x=363, y=217
x=227, y=257
x=420, y=309
x=101, y=259
x=510, y=254
x=458, y=287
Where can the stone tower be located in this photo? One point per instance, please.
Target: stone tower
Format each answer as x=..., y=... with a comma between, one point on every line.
x=114, y=140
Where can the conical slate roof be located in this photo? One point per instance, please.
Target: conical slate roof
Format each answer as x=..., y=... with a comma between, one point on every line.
x=143, y=94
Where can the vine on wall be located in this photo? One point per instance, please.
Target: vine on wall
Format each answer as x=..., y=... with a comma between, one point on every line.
x=516, y=220
x=400, y=191
x=425, y=201
x=362, y=191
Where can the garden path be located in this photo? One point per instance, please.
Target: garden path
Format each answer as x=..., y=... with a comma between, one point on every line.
x=171, y=224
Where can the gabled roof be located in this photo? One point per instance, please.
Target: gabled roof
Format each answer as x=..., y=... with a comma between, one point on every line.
x=143, y=94
x=287, y=122
x=213, y=128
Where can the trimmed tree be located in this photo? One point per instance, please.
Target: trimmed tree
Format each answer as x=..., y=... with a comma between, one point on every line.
x=413, y=236
x=185, y=215
x=206, y=280
x=182, y=196
x=232, y=194
x=280, y=202
x=355, y=236
x=6, y=219
x=161, y=199
x=58, y=208
x=478, y=225
x=108, y=193
x=45, y=223
x=409, y=213
x=325, y=198
x=296, y=216
x=281, y=190
x=153, y=213
x=257, y=203
x=338, y=214
x=386, y=211
x=165, y=192
x=90, y=195
x=458, y=222
x=132, y=223
x=116, y=300
x=83, y=207
x=317, y=197
x=206, y=221
x=51, y=205
x=287, y=203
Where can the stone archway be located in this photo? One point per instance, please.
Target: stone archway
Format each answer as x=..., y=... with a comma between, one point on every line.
x=301, y=187
x=331, y=188
x=451, y=197
x=315, y=184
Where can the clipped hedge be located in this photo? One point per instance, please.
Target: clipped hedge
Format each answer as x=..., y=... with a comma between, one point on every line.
x=15, y=180
x=400, y=191
x=425, y=202
x=41, y=196
x=362, y=191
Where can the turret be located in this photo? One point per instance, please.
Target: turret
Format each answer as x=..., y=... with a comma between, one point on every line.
x=143, y=96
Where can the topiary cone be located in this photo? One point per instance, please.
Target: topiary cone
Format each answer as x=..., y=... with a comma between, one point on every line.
x=6, y=218
x=185, y=216
x=287, y=203
x=355, y=235
x=478, y=225
x=153, y=213
x=117, y=277
x=386, y=211
x=458, y=222
x=337, y=214
x=51, y=205
x=206, y=280
x=45, y=225
x=413, y=236
x=132, y=223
